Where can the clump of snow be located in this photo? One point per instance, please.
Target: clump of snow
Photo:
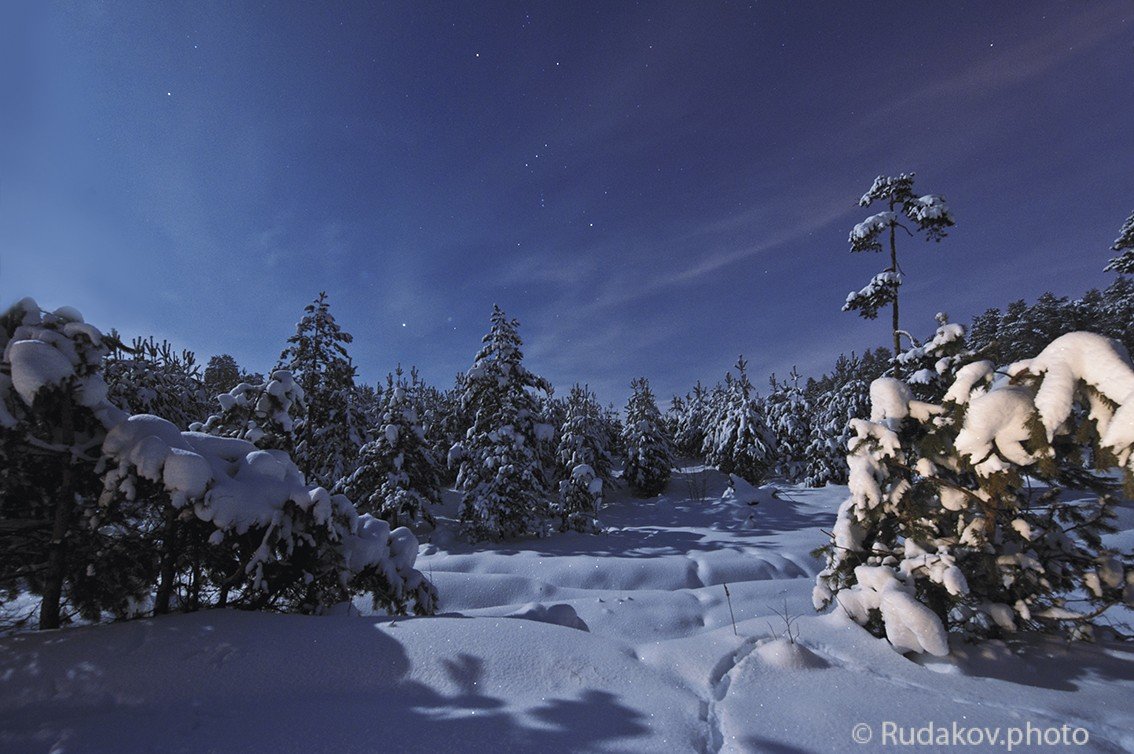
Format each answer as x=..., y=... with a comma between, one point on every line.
x=889, y=400
x=36, y=364
x=946, y=334
x=872, y=226
x=928, y=208
x=879, y=290
x=910, y=625
x=53, y=350
x=967, y=380
x=865, y=472
x=1100, y=362
x=995, y=428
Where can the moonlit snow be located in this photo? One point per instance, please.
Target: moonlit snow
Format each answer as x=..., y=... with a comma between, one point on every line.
x=620, y=642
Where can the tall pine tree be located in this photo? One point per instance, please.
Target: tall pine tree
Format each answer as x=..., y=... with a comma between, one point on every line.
x=929, y=215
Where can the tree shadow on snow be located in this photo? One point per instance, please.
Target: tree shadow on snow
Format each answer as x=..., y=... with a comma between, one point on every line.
x=190, y=683
x=1047, y=662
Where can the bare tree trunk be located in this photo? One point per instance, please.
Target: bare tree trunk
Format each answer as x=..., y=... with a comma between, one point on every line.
x=894, y=267
x=49, y=606
x=168, y=561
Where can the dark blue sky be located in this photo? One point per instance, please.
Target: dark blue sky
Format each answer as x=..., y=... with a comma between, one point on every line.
x=650, y=188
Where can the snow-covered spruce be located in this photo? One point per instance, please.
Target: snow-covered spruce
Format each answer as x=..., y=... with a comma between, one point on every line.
x=396, y=475
x=242, y=527
x=505, y=489
x=928, y=214
x=583, y=463
x=332, y=428
x=649, y=454
x=738, y=440
x=690, y=420
x=958, y=521
x=1123, y=264
x=789, y=419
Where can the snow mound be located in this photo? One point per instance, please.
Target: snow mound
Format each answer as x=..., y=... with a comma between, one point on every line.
x=786, y=655
x=559, y=615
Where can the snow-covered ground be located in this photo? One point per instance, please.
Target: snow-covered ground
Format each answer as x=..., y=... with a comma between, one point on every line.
x=622, y=642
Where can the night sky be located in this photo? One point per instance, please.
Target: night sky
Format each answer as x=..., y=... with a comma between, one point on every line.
x=651, y=188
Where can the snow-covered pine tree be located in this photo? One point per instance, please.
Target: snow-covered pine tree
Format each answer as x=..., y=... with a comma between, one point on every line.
x=739, y=441
x=396, y=475
x=984, y=332
x=444, y=423
x=980, y=515
x=689, y=436
x=789, y=418
x=583, y=462
x=929, y=215
x=612, y=421
x=263, y=414
x=1123, y=264
x=1116, y=313
x=152, y=378
x=53, y=417
x=241, y=526
x=672, y=418
x=839, y=397
x=552, y=412
x=222, y=374
x=331, y=431
x=366, y=403
x=505, y=487
x=649, y=454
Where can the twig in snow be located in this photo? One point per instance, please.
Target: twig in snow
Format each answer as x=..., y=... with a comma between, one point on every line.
x=731, y=614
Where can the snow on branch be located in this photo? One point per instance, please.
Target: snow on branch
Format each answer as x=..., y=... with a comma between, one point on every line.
x=879, y=292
